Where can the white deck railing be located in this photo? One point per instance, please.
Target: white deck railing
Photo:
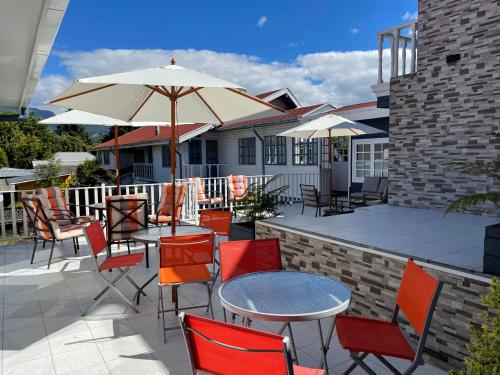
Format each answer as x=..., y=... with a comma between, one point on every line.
x=14, y=220
x=143, y=171
x=204, y=170
x=402, y=38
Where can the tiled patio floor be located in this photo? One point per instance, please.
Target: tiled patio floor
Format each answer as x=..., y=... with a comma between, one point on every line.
x=42, y=330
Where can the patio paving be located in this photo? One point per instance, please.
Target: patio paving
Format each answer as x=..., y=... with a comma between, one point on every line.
x=42, y=330
x=456, y=239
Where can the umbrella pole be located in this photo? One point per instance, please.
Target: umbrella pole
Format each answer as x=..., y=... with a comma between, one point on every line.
x=117, y=160
x=173, y=137
x=330, y=172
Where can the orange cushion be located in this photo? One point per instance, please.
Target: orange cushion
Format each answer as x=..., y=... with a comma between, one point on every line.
x=161, y=219
x=372, y=336
x=299, y=370
x=184, y=274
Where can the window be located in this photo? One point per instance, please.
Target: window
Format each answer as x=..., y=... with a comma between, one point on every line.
x=105, y=157
x=246, y=151
x=212, y=153
x=165, y=156
x=139, y=156
x=195, y=151
x=305, y=151
x=275, y=150
x=370, y=158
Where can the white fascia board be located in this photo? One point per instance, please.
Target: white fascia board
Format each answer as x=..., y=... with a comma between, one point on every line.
x=365, y=113
x=282, y=92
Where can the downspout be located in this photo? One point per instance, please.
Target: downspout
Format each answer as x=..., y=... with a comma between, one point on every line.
x=263, y=165
x=180, y=163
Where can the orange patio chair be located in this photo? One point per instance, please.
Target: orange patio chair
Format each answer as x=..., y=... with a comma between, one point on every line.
x=417, y=297
x=237, y=187
x=60, y=208
x=123, y=263
x=125, y=215
x=45, y=225
x=202, y=197
x=164, y=212
x=225, y=349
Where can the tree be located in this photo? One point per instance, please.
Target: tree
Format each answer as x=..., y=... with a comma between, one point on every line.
x=49, y=174
x=4, y=160
x=484, y=358
x=90, y=173
x=77, y=131
x=70, y=143
x=121, y=131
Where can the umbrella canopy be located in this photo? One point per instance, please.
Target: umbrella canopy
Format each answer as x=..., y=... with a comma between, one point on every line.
x=330, y=125
x=168, y=93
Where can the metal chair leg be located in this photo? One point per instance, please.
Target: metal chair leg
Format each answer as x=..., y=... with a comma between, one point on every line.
x=209, y=291
x=146, y=248
x=43, y=244
x=34, y=249
x=75, y=246
x=294, y=350
x=163, y=316
x=128, y=247
x=51, y=252
x=355, y=362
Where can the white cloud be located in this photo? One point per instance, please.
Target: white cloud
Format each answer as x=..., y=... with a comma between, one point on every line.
x=48, y=87
x=325, y=77
x=354, y=30
x=261, y=22
x=408, y=16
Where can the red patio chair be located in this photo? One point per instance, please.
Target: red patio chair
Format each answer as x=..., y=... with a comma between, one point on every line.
x=202, y=197
x=60, y=208
x=45, y=225
x=184, y=260
x=417, y=297
x=164, y=212
x=220, y=223
x=124, y=263
x=226, y=349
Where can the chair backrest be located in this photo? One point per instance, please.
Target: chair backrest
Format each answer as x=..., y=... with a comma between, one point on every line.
x=165, y=203
x=186, y=250
x=198, y=182
x=226, y=349
x=370, y=184
x=55, y=198
x=242, y=257
x=417, y=296
x=383, y=186
x=218, y=221
x=310, y=195
x=41, y=219
x=237, y=186
x=125, y=214
x=95, y=237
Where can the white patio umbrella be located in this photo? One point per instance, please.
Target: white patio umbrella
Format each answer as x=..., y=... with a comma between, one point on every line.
x=76, y=117
x=329, y=126
x=170, y=93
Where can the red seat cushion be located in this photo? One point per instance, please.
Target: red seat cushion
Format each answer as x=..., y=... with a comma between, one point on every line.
x=299, y=370
x=372, y=336
x=130, y=260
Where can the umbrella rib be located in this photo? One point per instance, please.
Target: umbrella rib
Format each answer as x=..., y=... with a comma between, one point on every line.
x=254, y=99
x=187, y=92
x=82, y=93
x=142, y=105
x=158, y=90
x=351, y=129
x=179, y=91
x=208, y=106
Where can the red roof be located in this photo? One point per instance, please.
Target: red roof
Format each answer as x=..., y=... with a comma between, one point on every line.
x=147, y=134
x=266, y=94
x=290, y=114
x=354, y=106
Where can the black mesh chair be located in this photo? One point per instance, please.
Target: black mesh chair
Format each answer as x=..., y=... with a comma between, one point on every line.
x=312, y=198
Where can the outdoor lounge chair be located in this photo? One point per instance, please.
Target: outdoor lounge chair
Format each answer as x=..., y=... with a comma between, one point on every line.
x=184, y=260
x=123, y=263
x=370, y=188
x=237, y=187
x=202, y=197
x=221, y=348
x=45, y=225
x=312, y=198
x=54, y=197
x=417, y=297
x=126, y=214
x=163, y=213
x=380, y=194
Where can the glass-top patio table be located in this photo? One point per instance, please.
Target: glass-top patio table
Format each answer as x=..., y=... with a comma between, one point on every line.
x=153, y=234
x=287, y=296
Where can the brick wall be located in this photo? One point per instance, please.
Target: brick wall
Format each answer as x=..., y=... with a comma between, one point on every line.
x=374, y=279
x=447, y=112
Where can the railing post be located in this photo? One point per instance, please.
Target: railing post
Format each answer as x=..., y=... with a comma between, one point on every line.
x=395, y=53
x=2, y=215
x=403, y=55
x=195, y=203
x=413, y=60
x=380, y=58
x=103, y=192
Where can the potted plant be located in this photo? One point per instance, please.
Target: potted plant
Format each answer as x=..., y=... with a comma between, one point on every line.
x=260, y=202
x=491, y=259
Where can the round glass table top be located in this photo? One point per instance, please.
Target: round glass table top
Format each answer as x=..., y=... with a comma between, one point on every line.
x=284, y=296
x=153, y=234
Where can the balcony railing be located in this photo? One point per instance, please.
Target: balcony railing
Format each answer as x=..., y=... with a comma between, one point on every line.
x=402, y=38
x=204, y=170
x=14, y=220
x=143, y=171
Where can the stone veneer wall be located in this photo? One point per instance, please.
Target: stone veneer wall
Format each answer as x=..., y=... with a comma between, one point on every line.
x=446, y=112
x=374, y=279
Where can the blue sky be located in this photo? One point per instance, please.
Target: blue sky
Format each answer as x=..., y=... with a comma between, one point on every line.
x=255, y=34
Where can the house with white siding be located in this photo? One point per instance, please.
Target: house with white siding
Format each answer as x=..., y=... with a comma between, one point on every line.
x=252, y=147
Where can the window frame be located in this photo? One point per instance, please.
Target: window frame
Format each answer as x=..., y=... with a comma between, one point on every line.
x=198, y=153
x=275, y=152
x=311, y=152
x=165, y=151
x=371, y=142
x=248, y=158
x=106, y=160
